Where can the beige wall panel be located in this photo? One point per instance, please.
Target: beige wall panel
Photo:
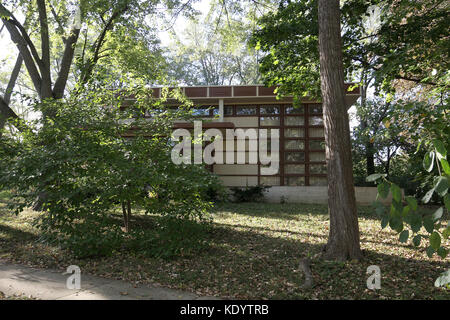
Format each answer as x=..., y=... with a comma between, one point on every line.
x=239, y=181
x=235, y=169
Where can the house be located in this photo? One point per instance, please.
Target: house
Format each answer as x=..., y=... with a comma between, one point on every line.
x=300, y=174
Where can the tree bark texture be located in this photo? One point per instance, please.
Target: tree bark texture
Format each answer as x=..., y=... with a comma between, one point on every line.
x=343, y=241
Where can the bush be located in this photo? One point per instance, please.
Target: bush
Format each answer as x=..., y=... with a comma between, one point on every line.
x=80, y=165
x=249, y=194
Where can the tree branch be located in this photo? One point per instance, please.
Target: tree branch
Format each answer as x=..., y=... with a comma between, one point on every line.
x=61, y=81
x=12, y=80
x=99, y=43
x=9, y=19
x=58, y=21
x=23, y=47
x=46, y=87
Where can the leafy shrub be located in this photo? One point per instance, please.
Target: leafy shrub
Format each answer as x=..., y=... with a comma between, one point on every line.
x=214, y=191
x=407, y=221
x=78, y=162
x=249, y=194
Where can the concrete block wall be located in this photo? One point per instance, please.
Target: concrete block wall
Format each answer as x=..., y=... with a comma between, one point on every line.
x=318, y=194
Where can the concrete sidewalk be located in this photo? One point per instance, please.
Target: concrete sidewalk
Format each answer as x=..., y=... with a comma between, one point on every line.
x=51, y=285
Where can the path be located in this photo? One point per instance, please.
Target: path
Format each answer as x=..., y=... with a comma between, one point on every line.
x=51, y=285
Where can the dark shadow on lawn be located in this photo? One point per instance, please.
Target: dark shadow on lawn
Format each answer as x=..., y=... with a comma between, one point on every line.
x=277, y=257
x=315, y=235
x=247, y=264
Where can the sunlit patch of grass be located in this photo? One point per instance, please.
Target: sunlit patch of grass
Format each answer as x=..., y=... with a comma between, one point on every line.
x=253, y=253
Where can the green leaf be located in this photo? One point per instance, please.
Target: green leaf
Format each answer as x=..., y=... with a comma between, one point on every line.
x=441, y=152
x=430, y=252
x=375, y=176
x=428, y=161
x=383, y=189
x=396, y=192
x=445, y=166
x=404, y=235
x=416, y=240
x=418, y=147
x=384, y=221
x=437, y=214
x=396, y=208
x=396, y=224
x=435, y=240
x=447, y=201
x=412, y=203
x=428, y=223
x=405, y=212
x=416, y=223
x=446, y=233
x=427, y=197
x=442, y=252
x=441, y=186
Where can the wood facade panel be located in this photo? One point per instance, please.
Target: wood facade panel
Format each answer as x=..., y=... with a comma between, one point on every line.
x=245, y=91
x=265, y=91
x=197, y=92
x=220, y=91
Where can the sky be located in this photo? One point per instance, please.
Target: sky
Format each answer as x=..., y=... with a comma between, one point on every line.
x=180, y=23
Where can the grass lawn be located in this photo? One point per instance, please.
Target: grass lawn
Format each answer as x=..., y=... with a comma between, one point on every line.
x=253, y=253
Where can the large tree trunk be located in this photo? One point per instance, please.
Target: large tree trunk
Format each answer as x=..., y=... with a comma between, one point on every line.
x=343, y=242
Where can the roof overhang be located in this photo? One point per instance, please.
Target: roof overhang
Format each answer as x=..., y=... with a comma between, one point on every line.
x=243, y=94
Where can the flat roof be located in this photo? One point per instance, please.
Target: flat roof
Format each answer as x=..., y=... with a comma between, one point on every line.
x=235, y=91
x=257, y=93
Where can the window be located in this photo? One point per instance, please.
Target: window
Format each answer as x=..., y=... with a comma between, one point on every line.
x=295, y=110
x=315, y=121
x=294, y=169
x=316, y=132
x=269, y=109
x=245, y=110
x=302, y=157
x=316, y=145
x=228, y=110
x=294, y=121
x=318, y=169
x=294, y=133
x=269, y=180
x=200, y=111
x=294, y=181
x=317, y=156
x=269, y=121
x=294, y=156
x=315, y=109
x=294, y=145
